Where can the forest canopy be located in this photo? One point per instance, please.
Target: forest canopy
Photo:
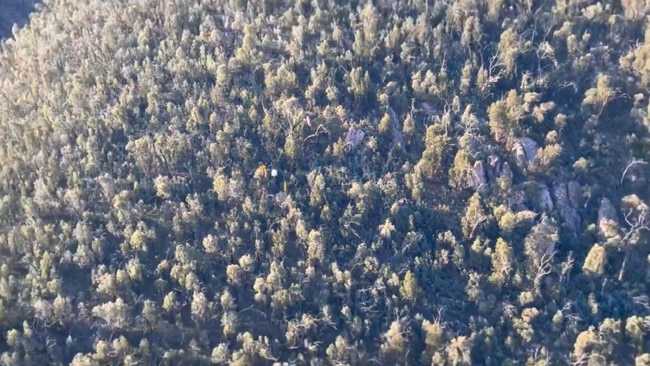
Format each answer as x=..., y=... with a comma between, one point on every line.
x=195, y=182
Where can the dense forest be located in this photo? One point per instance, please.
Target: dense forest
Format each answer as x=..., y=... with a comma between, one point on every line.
x=325, y=182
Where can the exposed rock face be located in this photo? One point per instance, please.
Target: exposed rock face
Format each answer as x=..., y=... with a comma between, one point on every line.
x=516, y=201
x=607, y=219
x=561, y=196
x=354, y=137
x=520, y=155
x=545, y=200
x=506, y=171
x=525, y=150
x=107, y=185
x=396, y=129
x=478, y=180
x=606, y=211
x=493, y=167
x=486, y=173
x=530, y=147
x=567, y=211
x=575, y=194
x=280, y=197
x=543, y=238
x=429, y=109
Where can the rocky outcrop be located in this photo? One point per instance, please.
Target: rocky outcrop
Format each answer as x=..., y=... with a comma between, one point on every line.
x=354, y=137
x=493, y=169
x=281, y=197
x=606, y=212
x=545, y=200
x=568, y=212
x=574, y=192
x=396, y=130
x=516, y=201
x=506, y=171
x=525, y=151
x=607, y=220
x=478, y=179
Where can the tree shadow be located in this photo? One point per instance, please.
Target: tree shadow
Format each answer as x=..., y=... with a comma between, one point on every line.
x=14, y=12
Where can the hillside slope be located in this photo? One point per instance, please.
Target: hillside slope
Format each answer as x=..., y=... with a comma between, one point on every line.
x=249, y=182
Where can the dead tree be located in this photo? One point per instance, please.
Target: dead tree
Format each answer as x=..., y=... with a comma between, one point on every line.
x=636, y=226
x=632, y=163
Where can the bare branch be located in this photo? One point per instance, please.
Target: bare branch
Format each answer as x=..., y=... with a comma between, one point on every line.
x=319, y=130
x=636, y=225
x=544, y=267
x=478, y=222
x=642, y=300
x=566, y=267
x=252, y=308
x=573, y=318
x=581, y=360
x=632, y=163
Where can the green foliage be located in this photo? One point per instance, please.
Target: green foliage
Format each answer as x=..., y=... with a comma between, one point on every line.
x=595, y=262
x=260, y=182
